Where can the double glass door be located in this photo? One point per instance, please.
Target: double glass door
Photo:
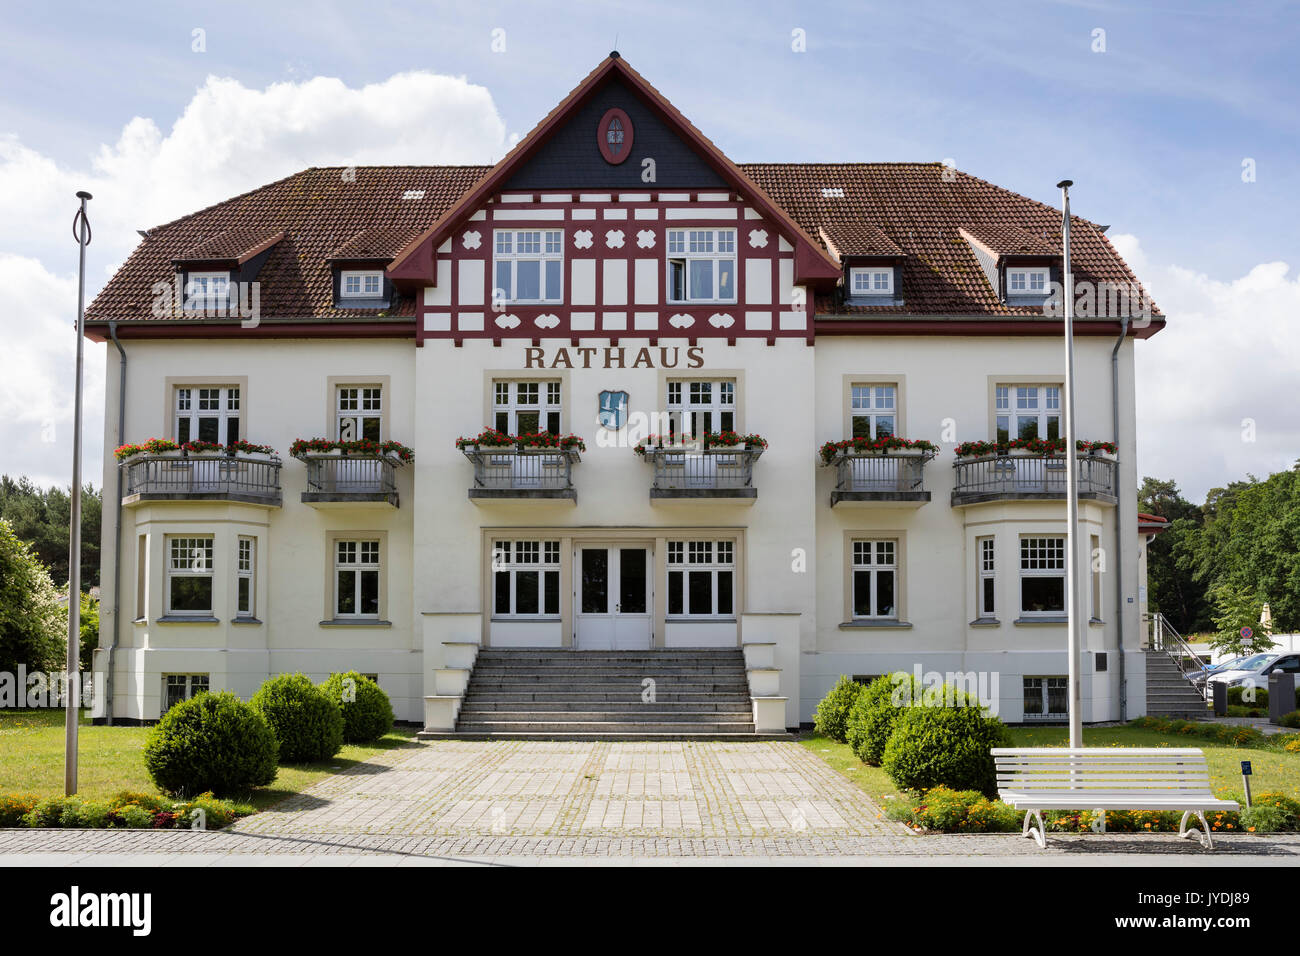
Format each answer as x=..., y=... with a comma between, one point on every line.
x=613, y=596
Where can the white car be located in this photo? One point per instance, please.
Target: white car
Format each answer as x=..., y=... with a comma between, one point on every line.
x=1254, y=670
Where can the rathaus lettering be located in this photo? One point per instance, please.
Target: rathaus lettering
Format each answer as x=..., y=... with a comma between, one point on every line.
x=613, y=357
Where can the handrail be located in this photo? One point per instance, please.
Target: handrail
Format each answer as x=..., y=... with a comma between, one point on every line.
x=881, y=472
x=1165, y=638
x=194, y=476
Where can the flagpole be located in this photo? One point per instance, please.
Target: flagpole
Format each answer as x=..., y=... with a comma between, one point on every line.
x=1072, y=590
x=72, y=695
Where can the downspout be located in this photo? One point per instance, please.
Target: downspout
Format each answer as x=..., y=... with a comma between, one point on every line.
x=117, y=530
x=1119, y=522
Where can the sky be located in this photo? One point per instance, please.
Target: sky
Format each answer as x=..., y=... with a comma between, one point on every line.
x=1178, y=122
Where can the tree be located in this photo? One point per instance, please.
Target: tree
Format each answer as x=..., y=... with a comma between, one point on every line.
x=1237, y=608
x=42, y=519
x=1171, y=585
x=32, y=621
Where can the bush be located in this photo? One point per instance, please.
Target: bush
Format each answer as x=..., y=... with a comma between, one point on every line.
x=54, y=812
x=1290, y=720
x=15, y=806
x=308, y=725
x=1231, y=734
x=871, y=718
x=211, y=742
x=956, y=811
x=1264, y=818
x=944, y=746
x=93, y=816
x=368, y=715
x=831, y=718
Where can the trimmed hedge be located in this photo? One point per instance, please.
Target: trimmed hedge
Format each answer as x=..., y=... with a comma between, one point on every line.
x=831, y=718
x=935, y=746
x=305, y=721
x=367, y=712
x=211, y=743
x=871, y=719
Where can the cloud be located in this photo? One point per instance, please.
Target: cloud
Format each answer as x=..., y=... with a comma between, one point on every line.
x=229, y=139
x=1216, y=388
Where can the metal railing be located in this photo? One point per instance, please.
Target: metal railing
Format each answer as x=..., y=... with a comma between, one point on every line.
x=359, y=475
x=524, y=470
x=705, y=469
x=886, y=473
x=201, y=477
x=1011, y=476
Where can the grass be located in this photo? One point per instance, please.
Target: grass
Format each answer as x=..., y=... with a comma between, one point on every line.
x=111, y=759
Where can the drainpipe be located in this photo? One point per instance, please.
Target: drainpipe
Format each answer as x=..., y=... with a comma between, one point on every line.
x=117, y=530
x=1119, y=522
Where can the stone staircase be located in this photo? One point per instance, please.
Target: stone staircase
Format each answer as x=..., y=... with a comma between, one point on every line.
x=1169, y=693
x=546, y=694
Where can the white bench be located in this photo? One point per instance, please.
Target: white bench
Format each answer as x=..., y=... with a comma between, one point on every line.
x=1034, y=779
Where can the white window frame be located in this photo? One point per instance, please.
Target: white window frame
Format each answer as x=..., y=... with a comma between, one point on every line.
x=688, y=407
x=714, y=557
x=188, y=403
x=506, y=245
x=1022, y=280
x=873, y=401
x=874, y=281
x=191, y=684
x=1017, y=402
x=874, y=557
x=370, y=284
x=986, y=588
x=539, y=396
x=189, y=556
x=515, y=556
x=358, y=556
x=686, y=245
x=1044, y=688
x=358, y=405
x=207, y=291
x=246, y=575
x=1044, y=550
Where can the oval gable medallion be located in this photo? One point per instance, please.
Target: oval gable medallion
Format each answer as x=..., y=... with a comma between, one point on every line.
x=614, y=136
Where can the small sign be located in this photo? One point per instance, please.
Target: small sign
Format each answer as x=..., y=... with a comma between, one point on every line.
x=1247, y=633
x=1245, y=768
x=613, y=409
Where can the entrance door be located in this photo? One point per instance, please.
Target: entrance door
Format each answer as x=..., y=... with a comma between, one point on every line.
x=613, y=603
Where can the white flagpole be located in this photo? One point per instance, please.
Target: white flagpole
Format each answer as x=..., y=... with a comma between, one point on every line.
x=1072, y=590
x=80, y=229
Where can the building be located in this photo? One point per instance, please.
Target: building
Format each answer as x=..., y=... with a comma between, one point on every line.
x=616, y=276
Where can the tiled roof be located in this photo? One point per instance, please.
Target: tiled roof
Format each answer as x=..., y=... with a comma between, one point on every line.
x=1004, y=239
x=914, y=209
x=238, y=244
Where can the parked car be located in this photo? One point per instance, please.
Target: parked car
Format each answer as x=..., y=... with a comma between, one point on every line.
x=1255, y=669
x=1199, y=677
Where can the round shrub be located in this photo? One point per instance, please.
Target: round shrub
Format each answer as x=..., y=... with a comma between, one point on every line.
x=211, y=742
x=831, y=717
x=871, y=718
x=1290, y=720
x=308, y=725
x=367, y=713
x=944, y=746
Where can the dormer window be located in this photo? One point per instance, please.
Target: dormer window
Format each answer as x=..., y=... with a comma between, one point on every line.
x=1034, y=281
x=871, y=281
x=368, y=284
x=207, y=291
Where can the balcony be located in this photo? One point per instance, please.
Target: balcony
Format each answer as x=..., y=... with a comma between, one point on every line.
x=519, y=473
x=335, y=480
x=1031, y=477
x=712, y=474
x=202, y=477
x=895, y=477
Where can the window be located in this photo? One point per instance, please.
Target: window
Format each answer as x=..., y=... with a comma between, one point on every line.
x=142, y=577
x=179, y=687
x=1042, y=576
x=362, y=285
x=526, y=578
x=359, y=412
x=986, y=595
x=528, y=265
x=873, y=410
x=526, y=408
x=696, y=407
x=1046, y=697
x=189, y=576
x=356, y=579
x=701, y=265
x=875, y=579
x=207, y=291
x=245, y=569
x=1028, y=411
x=1034, y=281
x=701, y=579
x=207, y=413
x=874, y=281
x=1095, y=559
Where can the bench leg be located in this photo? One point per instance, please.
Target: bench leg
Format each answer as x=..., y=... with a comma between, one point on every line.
x=1203, y=835
x=1039, y=833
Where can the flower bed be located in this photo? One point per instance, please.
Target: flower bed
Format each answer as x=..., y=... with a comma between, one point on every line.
x=362, y=448
x=162, y=446
x=492, y=438
x=1033, y=446
x=832, y=449
x=125, y=810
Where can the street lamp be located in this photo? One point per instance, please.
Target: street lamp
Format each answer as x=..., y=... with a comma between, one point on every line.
x=1072, y=591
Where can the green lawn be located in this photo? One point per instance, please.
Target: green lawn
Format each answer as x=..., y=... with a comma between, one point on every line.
x=1272, y=770
x=112, y=759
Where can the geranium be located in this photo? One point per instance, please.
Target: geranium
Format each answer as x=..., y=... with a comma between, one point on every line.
x=493, y=438
x=363, y=447
x=832, y=449
x=489, y=437
x=729, y=438
x=154, y=446
x=1033, y=446
x=663, y=441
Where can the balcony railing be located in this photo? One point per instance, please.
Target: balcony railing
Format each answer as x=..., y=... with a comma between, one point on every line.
x=703, y=472
x=356, y=479
x=1027, y=477
x=888, y=476
x=201, y=478
x=511, y=472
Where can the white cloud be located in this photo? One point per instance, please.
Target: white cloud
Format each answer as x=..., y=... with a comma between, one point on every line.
x=1227, y=358
x=228, y=140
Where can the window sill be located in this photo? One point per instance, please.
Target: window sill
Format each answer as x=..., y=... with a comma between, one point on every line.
x=356, y=622
x=140, y=620
x=886, y=625
x=985, y=622
x=186, y=619
x=1045, y=619
x=699, y=620
x=244, y=620
x=1096, y=622
x=526, y=619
